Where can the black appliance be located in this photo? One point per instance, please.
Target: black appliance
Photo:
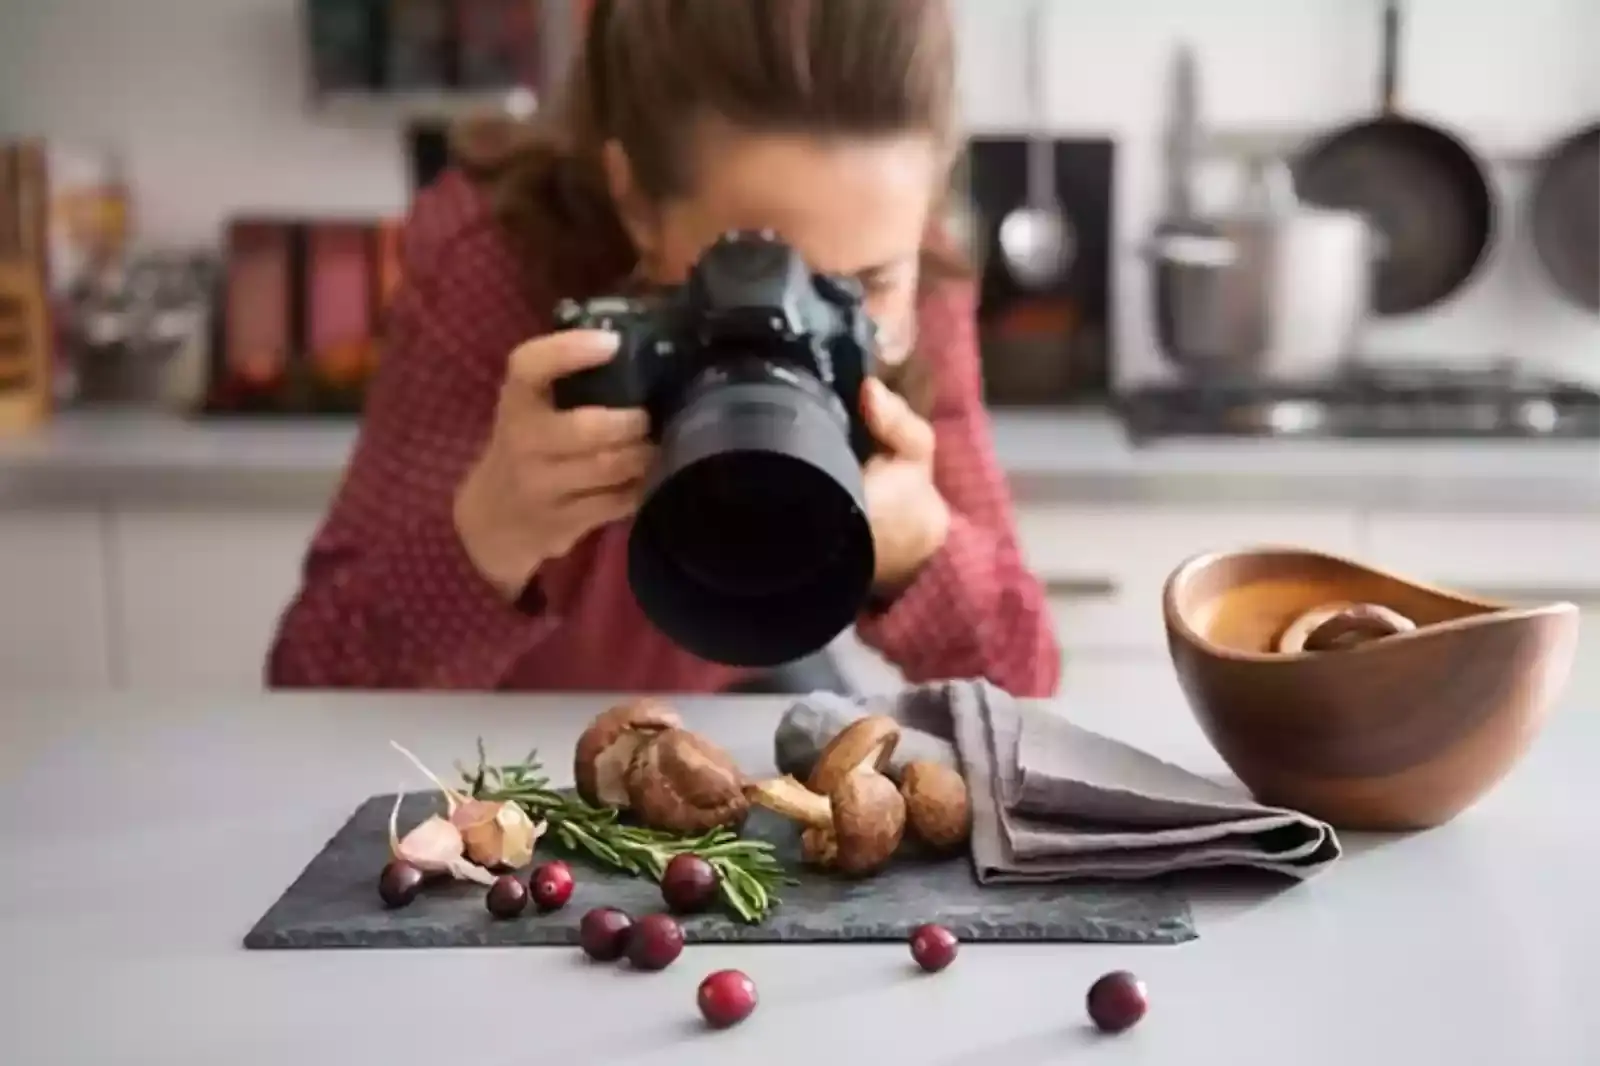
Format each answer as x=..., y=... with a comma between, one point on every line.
x=1050, y=347
x=756, y=508
x=1416, y=401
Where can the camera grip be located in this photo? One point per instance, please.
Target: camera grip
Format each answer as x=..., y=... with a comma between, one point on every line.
x=605, y=385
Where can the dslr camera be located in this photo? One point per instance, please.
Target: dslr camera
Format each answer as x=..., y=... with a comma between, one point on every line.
x=751, y=547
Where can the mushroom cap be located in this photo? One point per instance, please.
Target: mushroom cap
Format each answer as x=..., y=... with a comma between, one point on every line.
x=598, y=765
x=938, y=806
x=1342, y=625
x=683, y=783
x=869, y=818
x=866, y=743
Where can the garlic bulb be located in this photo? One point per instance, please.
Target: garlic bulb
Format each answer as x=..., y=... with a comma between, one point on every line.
x=494, y=834
x=434, y=846
x=497, y=834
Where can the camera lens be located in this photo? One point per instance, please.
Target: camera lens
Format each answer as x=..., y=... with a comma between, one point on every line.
x=752, y=546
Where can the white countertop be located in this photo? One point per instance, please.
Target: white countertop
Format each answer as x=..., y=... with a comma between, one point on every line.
x=143, y=836
x=1050, y=456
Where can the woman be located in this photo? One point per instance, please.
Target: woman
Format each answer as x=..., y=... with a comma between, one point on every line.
x=478, y=539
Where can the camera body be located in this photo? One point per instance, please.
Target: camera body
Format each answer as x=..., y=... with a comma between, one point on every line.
x=751, y=309
x=751, y=546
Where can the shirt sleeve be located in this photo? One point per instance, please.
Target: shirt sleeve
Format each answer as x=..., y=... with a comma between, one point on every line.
x=974, y=610
x=388, y=597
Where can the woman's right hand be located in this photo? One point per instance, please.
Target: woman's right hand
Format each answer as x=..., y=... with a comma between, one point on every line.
x=547, y=477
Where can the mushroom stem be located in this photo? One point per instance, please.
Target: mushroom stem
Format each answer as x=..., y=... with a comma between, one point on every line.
x=788, y=797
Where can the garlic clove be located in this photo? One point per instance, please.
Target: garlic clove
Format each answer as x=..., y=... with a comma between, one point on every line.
x=474, y=812
x=433, y=846
x=462, y=870
x=505, y=838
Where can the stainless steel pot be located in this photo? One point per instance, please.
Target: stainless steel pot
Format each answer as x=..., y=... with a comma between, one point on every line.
x=1274, y=289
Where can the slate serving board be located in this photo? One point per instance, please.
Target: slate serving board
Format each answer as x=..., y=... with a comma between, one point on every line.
x=334, y=902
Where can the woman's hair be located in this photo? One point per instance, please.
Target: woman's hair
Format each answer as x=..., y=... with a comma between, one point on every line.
x=648, y=70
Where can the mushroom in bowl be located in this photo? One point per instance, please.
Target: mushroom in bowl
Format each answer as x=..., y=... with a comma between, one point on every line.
x=1357, y=696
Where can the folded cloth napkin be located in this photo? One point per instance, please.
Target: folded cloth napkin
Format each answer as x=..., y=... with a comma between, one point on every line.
x=1053, y=801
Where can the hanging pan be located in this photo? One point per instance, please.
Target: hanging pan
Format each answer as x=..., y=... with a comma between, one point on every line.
x=1564, y=216
x=1427, y=196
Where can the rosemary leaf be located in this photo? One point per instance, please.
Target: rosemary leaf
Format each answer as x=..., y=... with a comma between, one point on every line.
x=749, y=873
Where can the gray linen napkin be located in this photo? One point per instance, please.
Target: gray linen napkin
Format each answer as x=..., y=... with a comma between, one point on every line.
x=1053, y=801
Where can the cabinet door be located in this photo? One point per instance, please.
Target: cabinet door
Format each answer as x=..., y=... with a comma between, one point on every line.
x=199, y=593
x=1103, y=568
x=53, y=621
x=1525, y=558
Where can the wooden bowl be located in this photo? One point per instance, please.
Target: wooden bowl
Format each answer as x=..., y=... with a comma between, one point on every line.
x=1400, y=733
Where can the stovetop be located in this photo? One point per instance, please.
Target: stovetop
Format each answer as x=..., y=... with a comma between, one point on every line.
x=1374, y=402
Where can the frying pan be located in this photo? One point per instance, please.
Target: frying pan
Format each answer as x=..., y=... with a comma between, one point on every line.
x=1426, y=194
x=1564, y=216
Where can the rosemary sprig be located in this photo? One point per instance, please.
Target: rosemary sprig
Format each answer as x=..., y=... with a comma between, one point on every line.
x=748, y=873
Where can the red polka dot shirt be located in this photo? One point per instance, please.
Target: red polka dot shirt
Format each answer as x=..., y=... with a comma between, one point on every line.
x=388, y=598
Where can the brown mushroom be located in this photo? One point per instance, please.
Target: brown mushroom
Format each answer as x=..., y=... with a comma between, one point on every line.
x=607, y=747
x=683, y=783
x=1335, y=626
x=866, y=742
x=938, y=808
x=854, y=830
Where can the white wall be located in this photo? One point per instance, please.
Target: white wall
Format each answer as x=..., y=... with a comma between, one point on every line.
x=208, y=96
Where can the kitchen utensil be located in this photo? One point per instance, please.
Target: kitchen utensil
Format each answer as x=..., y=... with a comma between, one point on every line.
x=1426, y=194
x=1564, y=216
x=326, y=907
x=1037, y=239
x=1046, y=346
x=1398, y=734
x=1172, y=281
x=1274, y=289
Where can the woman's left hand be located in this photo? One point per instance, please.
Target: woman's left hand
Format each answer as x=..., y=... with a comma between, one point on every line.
x=909, y=517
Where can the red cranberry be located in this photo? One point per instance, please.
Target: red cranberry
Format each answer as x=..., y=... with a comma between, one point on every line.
x=551, y=885
x=726, y=998
x=603, y=933
x=507, y=897
x=933, y=947
x=399, y=883
x=1117, y=1001
x=688, y=883
x=656, y=940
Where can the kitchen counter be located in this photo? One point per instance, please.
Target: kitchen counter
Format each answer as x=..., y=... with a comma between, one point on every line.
x=143, y=835
x=1067, y=457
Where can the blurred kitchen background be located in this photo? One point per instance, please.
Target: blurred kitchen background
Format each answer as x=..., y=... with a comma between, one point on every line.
x=1221, y=301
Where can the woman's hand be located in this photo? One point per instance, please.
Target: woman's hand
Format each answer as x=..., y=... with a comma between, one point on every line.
x=909, y=517
x=547, y=477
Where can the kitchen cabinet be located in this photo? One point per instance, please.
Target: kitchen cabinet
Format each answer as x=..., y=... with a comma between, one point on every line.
x=1103, y=568
x=54, y=629
x=196, y=594
x=152, y=597
x=1522, y=558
